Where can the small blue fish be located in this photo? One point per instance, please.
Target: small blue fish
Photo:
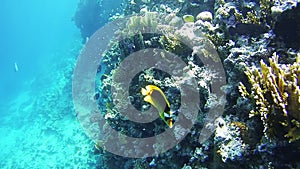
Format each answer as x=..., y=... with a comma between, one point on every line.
x=16, y=67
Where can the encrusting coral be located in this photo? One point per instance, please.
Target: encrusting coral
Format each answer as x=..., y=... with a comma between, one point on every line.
x=275, y=89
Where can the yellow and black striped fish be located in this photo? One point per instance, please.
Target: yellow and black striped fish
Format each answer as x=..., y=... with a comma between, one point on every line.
x=155, y=96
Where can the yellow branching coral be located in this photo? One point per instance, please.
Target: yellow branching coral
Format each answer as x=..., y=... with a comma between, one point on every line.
x=275, y=90
x=265, y=8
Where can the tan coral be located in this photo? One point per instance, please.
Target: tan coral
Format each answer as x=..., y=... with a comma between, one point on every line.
x=275, y=90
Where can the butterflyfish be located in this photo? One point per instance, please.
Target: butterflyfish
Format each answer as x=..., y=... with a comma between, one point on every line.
x=156, y=97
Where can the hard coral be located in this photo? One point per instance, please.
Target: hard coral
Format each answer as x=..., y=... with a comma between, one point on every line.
x=275, y=89
x=228, y=140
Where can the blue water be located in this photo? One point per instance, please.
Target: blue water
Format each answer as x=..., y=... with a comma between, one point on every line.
x=31, y=32
x=38, y=128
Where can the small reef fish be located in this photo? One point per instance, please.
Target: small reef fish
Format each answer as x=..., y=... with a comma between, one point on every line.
x=155, y=96
x=16, y=67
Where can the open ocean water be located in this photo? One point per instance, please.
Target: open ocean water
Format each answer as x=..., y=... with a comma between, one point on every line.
x=39, y=45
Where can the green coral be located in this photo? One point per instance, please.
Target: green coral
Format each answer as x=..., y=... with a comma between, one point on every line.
x=188, y=18
x=251, y=17
x=171, y=44
x=275, y=90
x=265, y=8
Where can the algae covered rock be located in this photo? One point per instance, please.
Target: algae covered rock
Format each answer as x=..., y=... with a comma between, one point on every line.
x=229, y=142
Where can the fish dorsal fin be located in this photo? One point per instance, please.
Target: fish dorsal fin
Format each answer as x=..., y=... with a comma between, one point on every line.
x=148, y=99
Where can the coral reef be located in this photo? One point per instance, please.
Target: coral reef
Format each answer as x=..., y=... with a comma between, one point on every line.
x=228, y=141
x=87, y=17
x=92, y=14
x=275, y=90
x=41, y=130
x=172, y=40
x=289, y=35
x=246, y=34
